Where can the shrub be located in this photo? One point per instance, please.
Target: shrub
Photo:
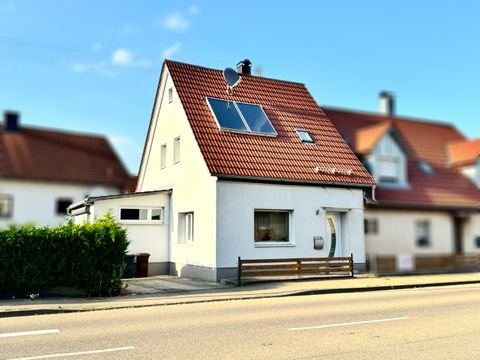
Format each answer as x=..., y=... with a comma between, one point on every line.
x=87, y=256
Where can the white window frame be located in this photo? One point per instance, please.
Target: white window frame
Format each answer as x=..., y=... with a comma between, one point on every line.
x=423, y=226
x=306, y=138
x=7, y=203
x=186, y=227
x=163, y=156
x=170, y=95
x=176, y=149
x=148, y=220
x=289, y=243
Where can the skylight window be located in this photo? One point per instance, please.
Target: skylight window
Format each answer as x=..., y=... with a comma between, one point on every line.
x=304, y=136
x=243, y=117
x=426, y=167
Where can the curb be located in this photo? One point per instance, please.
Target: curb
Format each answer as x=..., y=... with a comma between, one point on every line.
x=30, y=312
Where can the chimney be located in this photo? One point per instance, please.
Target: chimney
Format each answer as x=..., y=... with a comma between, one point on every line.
x=244, y=67
x=11, y=121
x=387, y=103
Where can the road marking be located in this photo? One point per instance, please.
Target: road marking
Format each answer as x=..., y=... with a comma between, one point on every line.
x=347, y=324
x=30, y=333
x=75, y=353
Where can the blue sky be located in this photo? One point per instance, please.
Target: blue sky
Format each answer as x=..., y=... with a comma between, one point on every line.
x=93, y=66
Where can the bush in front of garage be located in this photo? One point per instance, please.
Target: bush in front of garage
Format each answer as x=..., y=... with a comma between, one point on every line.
x=90, y=257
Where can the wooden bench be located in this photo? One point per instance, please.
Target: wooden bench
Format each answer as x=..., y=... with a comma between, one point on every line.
x=342, y=266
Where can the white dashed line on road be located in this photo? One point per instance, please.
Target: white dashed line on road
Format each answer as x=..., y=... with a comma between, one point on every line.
x=346, y=324
x=30, y=333
x=75, y=353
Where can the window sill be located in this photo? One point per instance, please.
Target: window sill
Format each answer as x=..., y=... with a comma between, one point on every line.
x=136, y=222
x=273, y=244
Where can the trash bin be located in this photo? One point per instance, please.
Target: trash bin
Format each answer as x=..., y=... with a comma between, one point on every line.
x=129, y=271
x=142, y=265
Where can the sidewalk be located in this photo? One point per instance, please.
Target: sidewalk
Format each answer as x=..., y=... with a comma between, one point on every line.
x=169, y=290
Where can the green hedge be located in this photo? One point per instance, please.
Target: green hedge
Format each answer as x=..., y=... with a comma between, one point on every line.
x=90, y=257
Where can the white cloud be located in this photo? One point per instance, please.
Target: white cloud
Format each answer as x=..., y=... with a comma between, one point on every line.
x=193, y=10
x=126, y=58
x=176, y=22
x=122, y=57
x=171, y=50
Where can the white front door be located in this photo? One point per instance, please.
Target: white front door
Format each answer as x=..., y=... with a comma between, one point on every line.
x=334, y=243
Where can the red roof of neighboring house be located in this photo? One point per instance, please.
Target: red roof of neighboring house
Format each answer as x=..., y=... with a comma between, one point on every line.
x=50, y=155
x=464, y=152
x=424, y=140
x=366, y=138
x=289, y=106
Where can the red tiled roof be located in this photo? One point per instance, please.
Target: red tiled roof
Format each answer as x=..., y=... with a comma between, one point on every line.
x=41, y=154
x=464, y=152
x=289, y=106
x=426, y=141
x=367, y=138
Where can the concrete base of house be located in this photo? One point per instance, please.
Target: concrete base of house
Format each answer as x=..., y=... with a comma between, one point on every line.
x=158, y=268
x=208, y=273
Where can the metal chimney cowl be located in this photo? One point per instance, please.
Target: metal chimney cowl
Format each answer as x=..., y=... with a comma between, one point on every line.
x=244, y=67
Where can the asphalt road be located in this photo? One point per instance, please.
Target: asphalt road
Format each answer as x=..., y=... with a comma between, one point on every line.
x=429, y=323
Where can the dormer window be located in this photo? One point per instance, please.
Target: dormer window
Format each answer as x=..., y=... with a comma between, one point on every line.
x=241, y=117
x=304, y=136
x=389, y=162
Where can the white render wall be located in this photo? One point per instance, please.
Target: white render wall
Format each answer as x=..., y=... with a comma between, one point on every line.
x=35, y=201
x=471, y=232
x=237, y=201
x=396, y=232
x=194, y=189
x=144, y=237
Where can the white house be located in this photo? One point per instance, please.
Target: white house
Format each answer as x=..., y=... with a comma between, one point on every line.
x=43, y=171
x=256, y=171
x=428, y=195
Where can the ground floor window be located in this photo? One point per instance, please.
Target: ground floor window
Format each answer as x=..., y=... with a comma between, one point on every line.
x=370, y=226
x=6, y=206
x=185, y=228
x=62, y=205
x=143, y=214
x=422, y=230
x=272, y=226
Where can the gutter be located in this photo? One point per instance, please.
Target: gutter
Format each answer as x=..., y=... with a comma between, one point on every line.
x=80, y=207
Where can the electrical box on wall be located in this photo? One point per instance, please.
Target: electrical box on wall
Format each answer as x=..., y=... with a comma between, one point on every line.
x=318, y=242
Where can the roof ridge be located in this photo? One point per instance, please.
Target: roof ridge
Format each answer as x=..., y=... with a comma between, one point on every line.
x=394, y=118
x=167, y=61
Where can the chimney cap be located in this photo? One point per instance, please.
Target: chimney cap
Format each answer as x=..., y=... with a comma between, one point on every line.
x=11, y=121
x=245, y=62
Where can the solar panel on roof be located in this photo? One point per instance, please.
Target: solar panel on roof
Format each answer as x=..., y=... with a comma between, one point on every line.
x=227, y=115
x=236, y=116
x=256, y=118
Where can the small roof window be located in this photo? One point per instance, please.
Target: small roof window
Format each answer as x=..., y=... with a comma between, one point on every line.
x=242, y=117
x=304, y=136
x=426, y=167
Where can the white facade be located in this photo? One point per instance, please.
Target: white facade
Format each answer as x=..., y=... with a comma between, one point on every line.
x=308, y=207
x=35, y=202
x=473, y=172
x=210, y=222
x=397, y=232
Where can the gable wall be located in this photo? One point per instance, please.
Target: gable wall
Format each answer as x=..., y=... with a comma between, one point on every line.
x=193, y=187
x=388, y=146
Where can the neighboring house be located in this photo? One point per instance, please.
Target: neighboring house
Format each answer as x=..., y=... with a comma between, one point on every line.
x=257, y=172
x=427, y=199
x=43, y=171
